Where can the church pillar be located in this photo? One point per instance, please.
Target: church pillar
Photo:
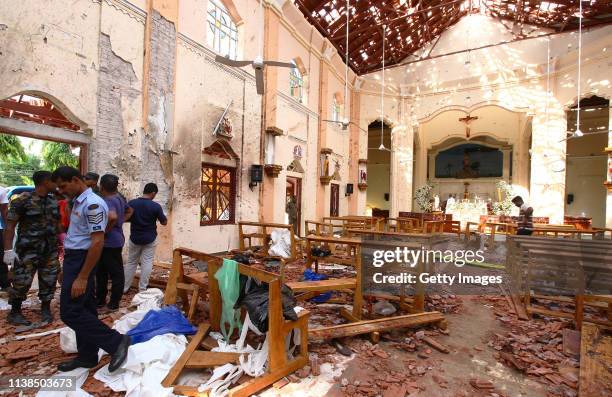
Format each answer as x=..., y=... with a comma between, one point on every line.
x=547, y=188
x=354, y=132
x=609, y=180
x=402, y=138
x=322, y=192
x=269, y=115
x=507, y=152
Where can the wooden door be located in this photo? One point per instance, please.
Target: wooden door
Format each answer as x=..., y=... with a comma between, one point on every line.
x=294, y=188
x=334, y=202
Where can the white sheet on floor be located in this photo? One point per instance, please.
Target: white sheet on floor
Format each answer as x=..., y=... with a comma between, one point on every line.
x=149, y=299
x=147, y=363
x=145, y=367
x=253, y=363
x=144, y=301
x=80, y=375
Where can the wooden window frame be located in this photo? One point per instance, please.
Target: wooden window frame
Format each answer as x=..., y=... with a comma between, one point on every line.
x=232, y=198
x=218, y=27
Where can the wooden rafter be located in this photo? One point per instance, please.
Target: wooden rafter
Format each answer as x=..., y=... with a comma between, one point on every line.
x=419, y=22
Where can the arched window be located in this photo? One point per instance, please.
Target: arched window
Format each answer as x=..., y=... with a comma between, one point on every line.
x=222, y=35
x=296, y=83
x=336, y=107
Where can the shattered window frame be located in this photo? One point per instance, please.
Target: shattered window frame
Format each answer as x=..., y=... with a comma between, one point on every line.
x=296, y=83
x=222, y=34
x=217, y=195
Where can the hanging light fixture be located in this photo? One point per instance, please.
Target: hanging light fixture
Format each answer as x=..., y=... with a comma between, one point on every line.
x=579, y=133
x=382, y=96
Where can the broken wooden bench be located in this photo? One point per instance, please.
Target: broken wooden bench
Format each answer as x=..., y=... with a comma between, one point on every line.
x=279, y=365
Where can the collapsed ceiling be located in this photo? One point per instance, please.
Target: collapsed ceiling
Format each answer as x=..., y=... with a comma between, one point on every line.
x=412, y=24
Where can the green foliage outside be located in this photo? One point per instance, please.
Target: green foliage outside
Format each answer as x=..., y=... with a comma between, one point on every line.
x=55, y=155
x=17, y=165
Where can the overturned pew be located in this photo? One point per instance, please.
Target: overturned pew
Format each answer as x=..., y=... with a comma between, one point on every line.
x=378, y=325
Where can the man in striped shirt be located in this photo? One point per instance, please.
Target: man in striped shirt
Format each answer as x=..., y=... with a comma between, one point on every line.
x=525, y=223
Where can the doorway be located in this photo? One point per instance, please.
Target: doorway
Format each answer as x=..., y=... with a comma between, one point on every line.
x=334, y=201
x=586, y=161
x=44, y=139
x=294, y=189
x=379, y=168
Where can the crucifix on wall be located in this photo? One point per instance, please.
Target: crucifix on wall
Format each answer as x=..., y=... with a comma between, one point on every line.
x=467, y=120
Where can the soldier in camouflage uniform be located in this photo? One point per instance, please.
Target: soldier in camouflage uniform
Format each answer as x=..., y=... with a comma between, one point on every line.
x=37, y=216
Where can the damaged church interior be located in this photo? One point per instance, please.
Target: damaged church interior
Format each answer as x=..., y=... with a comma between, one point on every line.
x=306, y=198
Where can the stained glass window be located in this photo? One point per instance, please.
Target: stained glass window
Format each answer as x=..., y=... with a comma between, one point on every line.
x=218, y=203
x=336, y=109
x=296, y=82
x=221, y=34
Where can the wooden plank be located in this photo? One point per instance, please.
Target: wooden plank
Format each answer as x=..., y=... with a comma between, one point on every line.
x=256, y=384
x=194, y=343
x=333, y=240
x=595, y=359
x=322, y=285
x=277, y=357
x=519, y=307
x=206, y=359
x=380, y=325
x=176, y=276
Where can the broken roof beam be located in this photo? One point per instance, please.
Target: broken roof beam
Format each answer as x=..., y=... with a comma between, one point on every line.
x=378, y=325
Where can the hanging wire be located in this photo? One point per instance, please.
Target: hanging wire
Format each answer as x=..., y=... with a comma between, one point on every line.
x=382, y=94
x=346, y=60
x=261, y=33
x=579, y=133
x=547, y=81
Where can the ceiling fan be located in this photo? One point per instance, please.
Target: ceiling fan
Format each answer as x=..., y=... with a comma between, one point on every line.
x=345, y=122
x=258, y=63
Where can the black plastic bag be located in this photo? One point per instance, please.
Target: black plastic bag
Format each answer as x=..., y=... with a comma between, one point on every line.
x=254, y=297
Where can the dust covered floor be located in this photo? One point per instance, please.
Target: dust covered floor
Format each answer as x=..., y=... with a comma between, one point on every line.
x=490, y=352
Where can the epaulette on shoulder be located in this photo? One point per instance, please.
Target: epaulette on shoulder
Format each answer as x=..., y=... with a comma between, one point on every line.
x=23, y=196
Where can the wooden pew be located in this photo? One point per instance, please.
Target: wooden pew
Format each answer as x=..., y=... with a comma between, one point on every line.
x=319, y=228
x=352, y=247
x=279, y=365
x=412, y=241
x=263, y=234
x=539, y=260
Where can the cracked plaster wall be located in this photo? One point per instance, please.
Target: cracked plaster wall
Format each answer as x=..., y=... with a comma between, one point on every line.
x=52, y=54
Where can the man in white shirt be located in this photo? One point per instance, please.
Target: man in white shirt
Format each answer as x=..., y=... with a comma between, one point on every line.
x=3, y=211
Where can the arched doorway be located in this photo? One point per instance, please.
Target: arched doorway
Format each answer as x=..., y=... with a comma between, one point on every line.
x=40, y=134
x=378, y=193
x=586, y=160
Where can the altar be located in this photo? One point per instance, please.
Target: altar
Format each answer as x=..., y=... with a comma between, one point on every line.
x=467, y=210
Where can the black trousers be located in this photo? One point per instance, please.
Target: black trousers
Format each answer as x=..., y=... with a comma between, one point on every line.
x=4, y=283
x=524, y=232
x=110, y=265
x=80, y=314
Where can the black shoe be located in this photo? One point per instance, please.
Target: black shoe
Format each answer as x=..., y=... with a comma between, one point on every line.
x=118, y=358
x=74, y=364
x=340, y=348
x=113, y=306
x=100, y=304
x=15, y=317
x=46, y=315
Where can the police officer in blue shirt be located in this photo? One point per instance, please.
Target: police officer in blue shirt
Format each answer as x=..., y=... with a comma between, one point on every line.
x=82, y=249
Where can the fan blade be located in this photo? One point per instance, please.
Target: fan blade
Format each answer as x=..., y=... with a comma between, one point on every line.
x=259, y=81
x=357, y=125
x=231, y=62
x=281, y=64
x=332, y=121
